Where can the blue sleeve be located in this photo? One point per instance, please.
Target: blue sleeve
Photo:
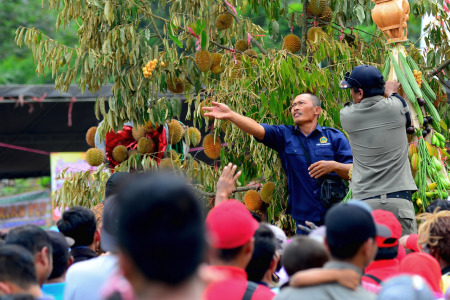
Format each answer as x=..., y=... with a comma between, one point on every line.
x=342, y=151
x=273, y=137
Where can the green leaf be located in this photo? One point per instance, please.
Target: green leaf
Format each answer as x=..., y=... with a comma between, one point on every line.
x=204, y=40
x=360, y=13
x=176, y=40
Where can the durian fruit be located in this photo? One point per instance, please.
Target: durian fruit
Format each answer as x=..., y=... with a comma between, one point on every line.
x=90, y=136
x=94, y=157
x=207, y=103
x=149, y=127
x=145, y=145
x=267, y=192
x=237, y=70
x=212, y=146
x=216, y=59
x=120, y=153
x=253, y=55
x=138, y=132
x=173, y=155
x=317, y=7
x=176, y=131
x=224, y=21
x=327, y=15
x=176, y=85
x=241, y=45
x=224, y=126
x=196, y=167
x=292, y=43
x=166, y=163
x=203, y=60
x=132, y=152
x=252, y=200
x=314, y=35
x=194, y=136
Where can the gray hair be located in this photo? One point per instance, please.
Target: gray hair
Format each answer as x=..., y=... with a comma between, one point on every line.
x=314, y=98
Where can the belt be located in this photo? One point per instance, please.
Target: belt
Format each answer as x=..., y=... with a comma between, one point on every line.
x=400, y=194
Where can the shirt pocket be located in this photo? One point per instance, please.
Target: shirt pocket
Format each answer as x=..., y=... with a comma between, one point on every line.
x=324, y=151
x=296, y=158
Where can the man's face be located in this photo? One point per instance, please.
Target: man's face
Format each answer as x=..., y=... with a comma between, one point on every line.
x=303, y=109
x=357, y=96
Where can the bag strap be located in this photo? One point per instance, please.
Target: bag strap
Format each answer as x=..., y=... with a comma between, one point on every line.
x=308, y=159
x=407, y=115
x=374, y=278
x=251, y=288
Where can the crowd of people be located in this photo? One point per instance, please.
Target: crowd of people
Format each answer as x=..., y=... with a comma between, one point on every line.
x=153, y=238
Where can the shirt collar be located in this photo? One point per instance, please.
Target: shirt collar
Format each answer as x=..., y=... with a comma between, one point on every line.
x=334, y=264
x=318, y=128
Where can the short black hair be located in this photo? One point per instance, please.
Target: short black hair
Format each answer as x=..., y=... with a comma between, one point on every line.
x=303, y=253
x=441, y=203
x=31, y=237
x=228, y=255
x=370, y=92
x=343, y=251
x=387, y=253
x=161, y=227
x=263, y=253
x=17, y=266
x=80, y=224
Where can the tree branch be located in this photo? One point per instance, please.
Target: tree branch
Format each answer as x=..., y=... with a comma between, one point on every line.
x=439, y=69
x=304, y=25
x=157, y=30
x=236, y=190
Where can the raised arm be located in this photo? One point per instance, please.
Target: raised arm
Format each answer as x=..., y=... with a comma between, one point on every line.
x=223, y=112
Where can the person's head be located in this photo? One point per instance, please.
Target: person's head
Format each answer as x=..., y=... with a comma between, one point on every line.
x=110, y=229
x=61, y=257
x=424, y=265
x=161, y=231
x=79, y=223
x=35, y=240
x=231, y=228
x=17, y=271
x=351, y=232
x=305, y=108
x=303, y=253
x=114, y=183
x=365, y=81
x=439, y=204
x=281, y=239
x=387, y=247
x=405, y=287
x=434, y=235
x=264, y=254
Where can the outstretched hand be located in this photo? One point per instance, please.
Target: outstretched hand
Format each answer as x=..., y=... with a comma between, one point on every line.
x=226, y=183
x=218, y=110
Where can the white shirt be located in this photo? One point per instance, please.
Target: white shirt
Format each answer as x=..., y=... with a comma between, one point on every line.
x=84, y=279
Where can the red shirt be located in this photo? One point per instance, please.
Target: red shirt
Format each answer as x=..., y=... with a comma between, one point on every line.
x=234, y=287
x=382, y=269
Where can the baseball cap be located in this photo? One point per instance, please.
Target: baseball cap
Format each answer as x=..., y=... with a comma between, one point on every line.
x=108, y=235
x=230, y=225
x=387, y=219
x=115, y=182
x=280, y=237
x=363, y=76
x=60, y=243
x=352, y=222
x=405, y=287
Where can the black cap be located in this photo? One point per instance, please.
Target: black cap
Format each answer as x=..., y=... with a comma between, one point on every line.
x=60, y=243
x=364, y=76
x=115, y=182
x=351, y=223
x=108, y=240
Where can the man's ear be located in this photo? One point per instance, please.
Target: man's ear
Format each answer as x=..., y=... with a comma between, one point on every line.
x=70, y=261
x=97, y=235
x=43, y=256
x=317, y=110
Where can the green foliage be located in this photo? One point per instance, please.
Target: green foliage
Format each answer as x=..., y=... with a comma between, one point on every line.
x=116, y=38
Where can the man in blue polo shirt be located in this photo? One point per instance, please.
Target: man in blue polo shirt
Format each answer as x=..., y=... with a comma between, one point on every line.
x=327, y=152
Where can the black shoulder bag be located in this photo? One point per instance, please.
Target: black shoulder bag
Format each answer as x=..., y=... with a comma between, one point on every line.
x=332, y=188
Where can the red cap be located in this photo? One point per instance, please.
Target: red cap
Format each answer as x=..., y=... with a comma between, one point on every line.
x=231, y=225
x=412, y=242
x=387, y=219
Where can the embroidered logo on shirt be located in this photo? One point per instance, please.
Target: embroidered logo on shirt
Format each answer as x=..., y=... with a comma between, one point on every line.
x=323, y=140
